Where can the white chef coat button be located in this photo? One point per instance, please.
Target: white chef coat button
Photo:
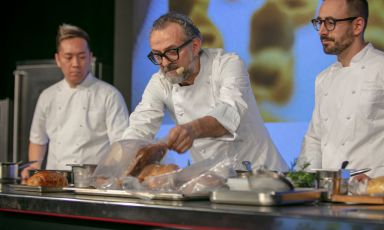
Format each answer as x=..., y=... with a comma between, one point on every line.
x=59, y=108
x=325, y=144
x=325, y=94
x=353, y=91
x=81, y=125
x=325, y=119
x=343, y=143
x=84, y=108
x=348, y=117
x=363, y=67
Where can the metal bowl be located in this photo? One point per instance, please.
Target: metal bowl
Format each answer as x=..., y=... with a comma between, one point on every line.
x=82, y=174
x=269, y=181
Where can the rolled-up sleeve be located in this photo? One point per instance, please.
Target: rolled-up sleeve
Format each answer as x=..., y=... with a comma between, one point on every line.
x=231, y=83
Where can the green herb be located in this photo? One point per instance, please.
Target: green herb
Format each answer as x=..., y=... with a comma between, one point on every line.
x=301, y=178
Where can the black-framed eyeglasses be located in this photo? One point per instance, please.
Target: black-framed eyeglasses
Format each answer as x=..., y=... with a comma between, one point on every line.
x=171, y=55
x=329, y=23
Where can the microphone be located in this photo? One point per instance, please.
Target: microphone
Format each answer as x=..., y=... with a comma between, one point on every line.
x=180, y=70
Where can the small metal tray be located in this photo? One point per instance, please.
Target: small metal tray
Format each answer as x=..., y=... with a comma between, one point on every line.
x=137, y=194
x=38, y=189
x=264, y=199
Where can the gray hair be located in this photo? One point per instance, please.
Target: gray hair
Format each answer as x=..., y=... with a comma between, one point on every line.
x=67, y=31
x=191, y=31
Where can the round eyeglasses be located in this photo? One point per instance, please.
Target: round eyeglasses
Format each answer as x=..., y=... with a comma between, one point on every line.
x=171, y=55
x=329, y=23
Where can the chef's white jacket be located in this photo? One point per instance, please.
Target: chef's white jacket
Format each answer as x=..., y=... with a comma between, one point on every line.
x=221, y=90
x=78, y=123
x=348, y=119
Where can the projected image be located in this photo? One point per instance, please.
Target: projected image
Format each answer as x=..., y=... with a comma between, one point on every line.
x=277, y=42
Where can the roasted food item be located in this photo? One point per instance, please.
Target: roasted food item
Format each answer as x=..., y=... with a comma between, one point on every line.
x=376, y=186
x=156, y=170
x=48, y=179
x=147, y=155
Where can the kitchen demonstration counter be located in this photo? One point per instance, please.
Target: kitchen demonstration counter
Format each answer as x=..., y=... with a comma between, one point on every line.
x=66, y=210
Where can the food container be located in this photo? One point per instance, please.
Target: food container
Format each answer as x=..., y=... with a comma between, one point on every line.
x=82, y=174
x=333, y=181
x=269, y=181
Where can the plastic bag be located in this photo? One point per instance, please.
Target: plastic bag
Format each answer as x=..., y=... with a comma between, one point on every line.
x=202, y=177
x=374, y=186
x=113, y=165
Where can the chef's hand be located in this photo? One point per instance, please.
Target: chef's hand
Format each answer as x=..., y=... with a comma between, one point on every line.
x=181, y=138
x=25, y=173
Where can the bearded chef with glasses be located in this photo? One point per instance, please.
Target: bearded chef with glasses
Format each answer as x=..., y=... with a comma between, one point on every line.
x=348, y=119
x=208, y=95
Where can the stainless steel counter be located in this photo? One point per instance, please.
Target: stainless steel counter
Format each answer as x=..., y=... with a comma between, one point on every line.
x=193, y=214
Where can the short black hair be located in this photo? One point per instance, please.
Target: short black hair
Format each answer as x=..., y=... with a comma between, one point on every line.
x=191, y=31
x=67, y=31
x=358, y=8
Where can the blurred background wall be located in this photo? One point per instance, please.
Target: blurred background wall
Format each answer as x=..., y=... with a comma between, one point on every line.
x=274, y=38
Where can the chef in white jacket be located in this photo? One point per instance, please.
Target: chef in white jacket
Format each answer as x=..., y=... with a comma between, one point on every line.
x=348, y=120
x=77, y=118
x=208, y=94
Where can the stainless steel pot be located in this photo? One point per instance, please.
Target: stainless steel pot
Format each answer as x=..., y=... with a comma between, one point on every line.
x=82, y=174
x=269, y=181
x=10, y=170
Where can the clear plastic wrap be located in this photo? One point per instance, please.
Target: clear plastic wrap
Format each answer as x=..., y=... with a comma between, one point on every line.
x=201, y=177
x=113, y=165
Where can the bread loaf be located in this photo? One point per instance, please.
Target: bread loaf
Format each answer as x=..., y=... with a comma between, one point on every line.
x=48, y=179
x=376, y=186
x=156, y=170
x=149, y=154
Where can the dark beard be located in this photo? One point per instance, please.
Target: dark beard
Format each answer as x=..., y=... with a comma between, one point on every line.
x=338, y=46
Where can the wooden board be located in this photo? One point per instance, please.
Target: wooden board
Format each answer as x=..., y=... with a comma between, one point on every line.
x=302, y=195
x=358, y=199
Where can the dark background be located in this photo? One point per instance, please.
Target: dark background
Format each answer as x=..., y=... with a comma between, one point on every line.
x=29, y=32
